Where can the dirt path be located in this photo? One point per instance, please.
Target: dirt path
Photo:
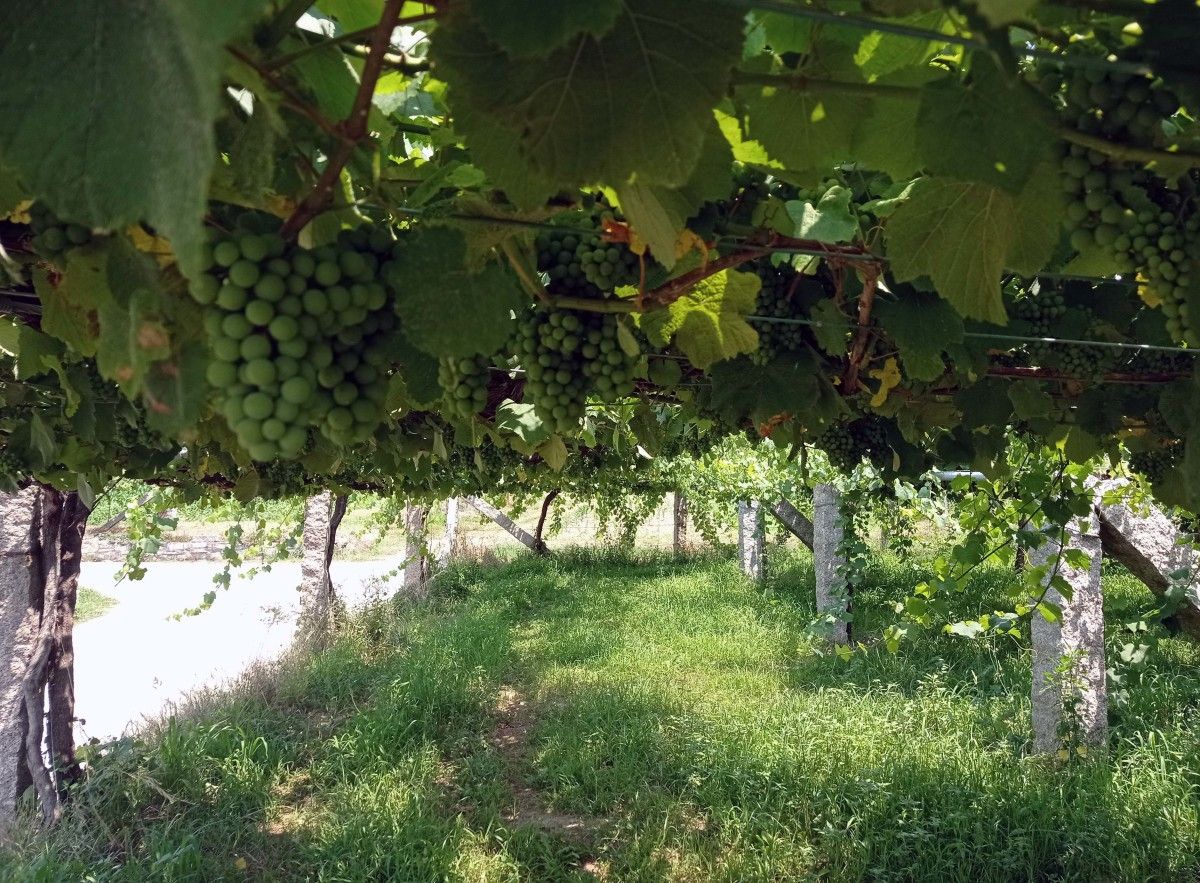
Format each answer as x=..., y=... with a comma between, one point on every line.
x=133, y=662
x=510, y=738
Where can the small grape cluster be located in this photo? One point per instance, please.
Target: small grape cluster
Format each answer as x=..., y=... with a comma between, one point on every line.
x=1155, y=464
x=775, y=301
x=584, y=264
x=1040, y=309
x=465, y=384
x=1166, y=247
x=1087, y=362
x=567, y=357
x=53, y=238
x=299, y=338
x=847, y=444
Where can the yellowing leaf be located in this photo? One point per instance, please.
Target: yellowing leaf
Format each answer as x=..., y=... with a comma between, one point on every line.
x=708, y=323
x=155, y=246
x=888, y=377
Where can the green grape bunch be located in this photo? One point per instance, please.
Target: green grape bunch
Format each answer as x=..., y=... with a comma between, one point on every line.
x=465, y=384
x=847, y=444
x=1155, y=464
x=53, y=238
x=568, y=357
x=300, y=339
x=584, y=264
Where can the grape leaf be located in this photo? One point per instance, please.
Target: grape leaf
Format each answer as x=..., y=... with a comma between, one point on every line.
x=554, y=452
x=508, y=22
x=1038, y=225
x=708, y=323
x=1003, y=12
x=830, y=220
x=1030, y=400
x=802, y=129
x=353, y=15
x=133, y=331
x=881, y=53
x=964, y=129
x=70, y=301
x=657, y=214
x=497, y=150
x=923, y=327
x=793, y=385
x=174, y=398
x=37, y=353
x=959, y=234
x=521, y=419
x=830, y=327
x=446, y=309
x=669, y=60
x=77, y=132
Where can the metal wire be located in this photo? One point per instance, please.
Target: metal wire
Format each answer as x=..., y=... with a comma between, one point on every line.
x=1017, y=338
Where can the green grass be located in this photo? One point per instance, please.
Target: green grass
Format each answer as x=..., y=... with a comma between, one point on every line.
x=679, y=712
x=90, y=604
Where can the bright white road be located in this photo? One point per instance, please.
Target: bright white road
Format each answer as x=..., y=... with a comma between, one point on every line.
x=133, y=661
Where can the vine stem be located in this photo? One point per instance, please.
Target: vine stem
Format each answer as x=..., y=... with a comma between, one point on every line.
x=802, y=83
x=1126, y=152
x=865, y=303
x=353, y=128
x=348, y=37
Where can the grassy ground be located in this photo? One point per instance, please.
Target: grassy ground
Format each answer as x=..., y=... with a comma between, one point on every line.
x=641, y=719
x=91, y=604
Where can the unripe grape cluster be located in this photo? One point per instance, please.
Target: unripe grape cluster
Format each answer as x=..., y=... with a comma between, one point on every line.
x=567, y=357
x=465, y=384
x=1119, y=208
x=584, y=264
x=300, y=339
x=848, y=444
x=53, y=238
x=1155, y=464
x=777, y=300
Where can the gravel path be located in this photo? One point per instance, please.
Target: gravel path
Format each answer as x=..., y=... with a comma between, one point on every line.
x=135, y=660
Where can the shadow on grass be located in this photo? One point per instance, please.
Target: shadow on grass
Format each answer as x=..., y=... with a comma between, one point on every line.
x=670, y=697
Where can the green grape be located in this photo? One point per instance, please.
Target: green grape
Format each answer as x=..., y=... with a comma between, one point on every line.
x=465, y=384
x=1155, y=464
x=278, y=320
x=848, y=444
x=52, y=237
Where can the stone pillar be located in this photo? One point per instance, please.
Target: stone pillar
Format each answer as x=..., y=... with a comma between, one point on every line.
x=322, y=515
x=1068, y=655
x=679, y=539
x=416, y=560
x=829, y=564
x=450, y=536
x=750, y=539
x=21, y=598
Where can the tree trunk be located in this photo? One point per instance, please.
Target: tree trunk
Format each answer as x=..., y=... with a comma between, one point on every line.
x=679, y=539
x=539, y=535
x=21, y=593
x=793, y=519
x=1069, y=693
x=750, y=539
x=1152, y=548
x=449, y=541
x=514, y=530
x=829, y=564
x=61, y=682
x=416, y=557
x=318, y=601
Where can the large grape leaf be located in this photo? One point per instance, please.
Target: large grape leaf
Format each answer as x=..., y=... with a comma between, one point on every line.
x=830, y=220
x=669, y=61
x=804, y=129
x=497, y=149
x=794, y=385
x=108, y=110
x=965, y=128
x=557, y=21
x=963, y=234
x=446, y=309
x=657, y=214
x=923, y=327
x=881, y=53
x=708, y=323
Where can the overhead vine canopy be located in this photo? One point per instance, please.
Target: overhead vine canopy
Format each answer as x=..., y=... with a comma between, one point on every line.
x=339, y=240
